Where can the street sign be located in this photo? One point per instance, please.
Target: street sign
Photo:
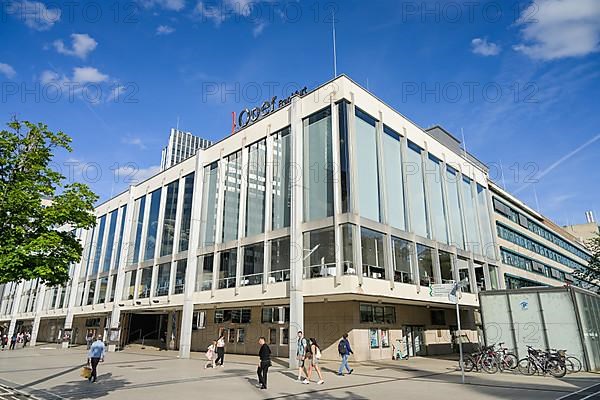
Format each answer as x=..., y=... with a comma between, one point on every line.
x=441, y=289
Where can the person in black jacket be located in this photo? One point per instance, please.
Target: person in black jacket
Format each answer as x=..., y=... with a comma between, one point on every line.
x=265, y=362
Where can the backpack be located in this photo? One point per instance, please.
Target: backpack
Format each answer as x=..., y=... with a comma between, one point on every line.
x=342, y=348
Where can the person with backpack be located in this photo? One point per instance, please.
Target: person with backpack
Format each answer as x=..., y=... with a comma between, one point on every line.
x=315, y=352
x=345, y=350
x=13, y=341
x=301, y=350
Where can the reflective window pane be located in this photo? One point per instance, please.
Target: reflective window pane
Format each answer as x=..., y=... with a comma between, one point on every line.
x=344, y=155
x=152, y=224
x=186, y=212
x=402, y=260
x=280, y=260
x=257, y=179
x=318, y=166
x=103, y=286
x=347, y=249
x=282, y=187
x=321, y=246
x=393, y=178
x=227, y=269
x=454, y=209
x=436, y=205
x=205, y=283
x=366, y=159
x=163, y=280
x=472, y=234
x=139, y=206
x=373, y=260
x=416, y=191
x=98, y=248
x=231, y=206
x=446, y=269
x=168, y=228
x=424, y=257
x=145, y=283
x=253, y=265
x=112, y=227
x=210, y=193
x=485, y=223
x=180, y=276
x=121, y=239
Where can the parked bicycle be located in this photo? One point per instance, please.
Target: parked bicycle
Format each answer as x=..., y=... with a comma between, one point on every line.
x=539, y=361
x=505, y=359
x=571, y=362
x=485, y=360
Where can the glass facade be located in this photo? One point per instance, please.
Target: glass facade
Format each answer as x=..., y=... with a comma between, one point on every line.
x=170, y=213
x=319, y=249
x=121, y=239
x=437, y=208
x=401, y=255
x=373, y=260
x=282, y=178
x=416, y=190
x=394, y=182
x=446, y=269
x=180, y=276
x=139, y=207
x=253, y=265
x=112, y=227
x=99, y=241
x=227, y=269
x=470, y=215
x=186, y=212
x=152, y=224
x=163, y=280
x=318, y=166
x=425, y=260
x=454, y=208
x=231, y=205
x=366, y=168
x=257, y=180
x=210, y=194
x=145, y=283
x=280, y=260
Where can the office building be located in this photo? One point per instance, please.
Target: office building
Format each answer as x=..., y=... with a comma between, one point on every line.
x=587, y=231
x=181, y=145
x=329, y=212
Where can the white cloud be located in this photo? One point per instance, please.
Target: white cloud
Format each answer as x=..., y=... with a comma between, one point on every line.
x=213, y=13
x=33, y=13
x=172, y=5
x=88, y=75
x=134, y=141
x=259, y=27
x=483, y=47
x=164, y=30
x=553, y=29
x=7, y=70
x=82, y=45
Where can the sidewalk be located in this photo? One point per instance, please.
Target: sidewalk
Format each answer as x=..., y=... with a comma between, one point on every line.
x=50, y=373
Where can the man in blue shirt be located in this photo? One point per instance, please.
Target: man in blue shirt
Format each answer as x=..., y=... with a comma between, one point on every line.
x=345, y=350
x=96, y=355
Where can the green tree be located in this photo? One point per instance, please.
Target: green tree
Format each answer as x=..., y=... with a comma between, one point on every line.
x=591, y=274
x=39, y=210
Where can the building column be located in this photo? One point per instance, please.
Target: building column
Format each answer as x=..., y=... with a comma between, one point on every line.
x=296, y=261
x=187, y=316
x=337, y=191
x=242, y=216
x=268, y=218
x=37, y=313
x=15, y=309
x=353, y=198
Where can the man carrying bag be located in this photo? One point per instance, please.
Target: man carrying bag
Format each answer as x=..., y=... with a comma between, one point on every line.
x=96, y=355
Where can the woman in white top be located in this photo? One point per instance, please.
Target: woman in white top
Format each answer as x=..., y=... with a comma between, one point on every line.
x=315, y=352
x=220, y=350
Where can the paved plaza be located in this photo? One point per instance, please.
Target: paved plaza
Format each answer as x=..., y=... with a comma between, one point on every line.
x=46, y=372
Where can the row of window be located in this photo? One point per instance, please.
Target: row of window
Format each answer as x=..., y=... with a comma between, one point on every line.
x=527, y=223
x=512, y=236
x=525, y=263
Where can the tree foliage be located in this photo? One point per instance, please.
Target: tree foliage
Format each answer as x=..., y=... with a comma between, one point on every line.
x=591, y=274
x=39, y=210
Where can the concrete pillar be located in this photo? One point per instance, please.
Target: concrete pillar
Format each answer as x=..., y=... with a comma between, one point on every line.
x=296, y=242
x=37, y=312
x=15, y=309
x=185, y=338
x=242, y=215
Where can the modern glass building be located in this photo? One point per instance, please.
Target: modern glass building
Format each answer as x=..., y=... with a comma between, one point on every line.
x=181, y=146
x=332, y=213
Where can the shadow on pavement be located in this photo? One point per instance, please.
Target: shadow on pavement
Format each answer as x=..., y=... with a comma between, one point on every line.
x=83, y=388
x=321, y=395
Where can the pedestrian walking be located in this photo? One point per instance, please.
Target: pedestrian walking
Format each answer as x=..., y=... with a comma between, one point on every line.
x=211, y=355
x=345, y=350
x=4, y=341
x=315, y=356
x=220, y=350
x=89, y=338
x=96, y=355
x=301, y=349
x=26, y=338
x=13, y=341
x=264, y=355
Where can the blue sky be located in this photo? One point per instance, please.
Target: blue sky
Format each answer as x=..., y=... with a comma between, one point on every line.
x=519, y=78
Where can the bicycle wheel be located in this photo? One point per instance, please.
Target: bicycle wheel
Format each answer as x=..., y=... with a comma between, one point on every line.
x=468, y=364
x=526, y=367
x=556, y=368
x=573, y=364
x=510, y=361
x=489, y=365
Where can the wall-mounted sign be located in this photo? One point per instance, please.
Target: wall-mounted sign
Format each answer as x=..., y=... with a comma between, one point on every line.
x=250, y=116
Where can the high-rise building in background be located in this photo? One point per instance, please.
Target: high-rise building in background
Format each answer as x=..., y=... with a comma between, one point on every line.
x=587, y=231
x=181, y=145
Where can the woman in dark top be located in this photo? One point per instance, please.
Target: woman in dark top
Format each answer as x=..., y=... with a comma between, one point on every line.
x=265, y=362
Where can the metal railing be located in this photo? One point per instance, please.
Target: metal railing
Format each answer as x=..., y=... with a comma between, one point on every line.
x=251, y=279
x=226, y=282
x=373, y=271
x=403, y=277
x=281, y=275
x=319, y=271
